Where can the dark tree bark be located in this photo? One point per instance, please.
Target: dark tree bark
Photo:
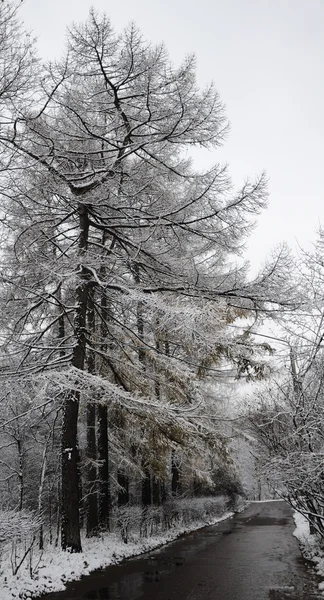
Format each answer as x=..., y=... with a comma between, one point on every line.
x=103, y=469
x=146, y=482
x=70, y=526
x=80, y=481
x=104, y=496
x=146, y=489
x=175, y=474
x=91, y=455
x=157, y=484
x=157, y=386
x=156, y=491
x=123, y=492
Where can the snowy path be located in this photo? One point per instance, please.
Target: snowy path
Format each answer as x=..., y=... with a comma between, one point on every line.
x=250, y=557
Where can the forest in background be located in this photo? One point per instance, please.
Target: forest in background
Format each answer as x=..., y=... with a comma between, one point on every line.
x=126, y=305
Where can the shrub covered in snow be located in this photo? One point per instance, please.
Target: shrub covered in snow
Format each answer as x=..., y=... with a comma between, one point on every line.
x=19, y=525
x=136, y=521
x=52, y=568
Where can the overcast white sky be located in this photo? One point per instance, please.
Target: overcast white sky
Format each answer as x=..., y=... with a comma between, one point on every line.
x=266, y=58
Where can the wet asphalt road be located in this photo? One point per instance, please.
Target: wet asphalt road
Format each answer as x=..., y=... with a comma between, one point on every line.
x=250, y=557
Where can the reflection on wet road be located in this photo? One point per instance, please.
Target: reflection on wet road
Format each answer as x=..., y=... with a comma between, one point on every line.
x=250, y=557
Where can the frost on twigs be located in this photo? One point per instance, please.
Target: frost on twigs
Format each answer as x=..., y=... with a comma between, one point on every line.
x=19, y=525
x=18, y=531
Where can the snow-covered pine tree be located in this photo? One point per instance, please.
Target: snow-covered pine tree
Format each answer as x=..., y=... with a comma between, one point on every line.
x=100, y=188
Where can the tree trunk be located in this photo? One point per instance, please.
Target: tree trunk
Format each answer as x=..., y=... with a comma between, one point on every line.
x=103, y=469
x=70, y=532
x=104, y=498
x=21, y=472
x=146, y=482
x=40, y=493
x=91, y=455
x=70, y=527
x=156, y=490
x=146, y=489
x=91, y=498
x=175, y=474
x=123, y=493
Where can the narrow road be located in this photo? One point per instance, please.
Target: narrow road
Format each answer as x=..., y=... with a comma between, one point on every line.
x=250, y=557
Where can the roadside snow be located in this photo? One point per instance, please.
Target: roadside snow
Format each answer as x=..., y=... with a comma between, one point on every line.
x=56, y=567
x=310, y=546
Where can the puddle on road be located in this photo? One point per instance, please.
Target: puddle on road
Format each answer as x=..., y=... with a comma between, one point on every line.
x=130, y=587
x=282, y=594
x=268, y=521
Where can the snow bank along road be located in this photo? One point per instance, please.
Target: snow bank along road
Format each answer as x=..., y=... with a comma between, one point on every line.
x=252, y=556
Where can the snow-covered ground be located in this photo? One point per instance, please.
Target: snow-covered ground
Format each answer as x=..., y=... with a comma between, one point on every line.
x=310, y=547
x=56, y=568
